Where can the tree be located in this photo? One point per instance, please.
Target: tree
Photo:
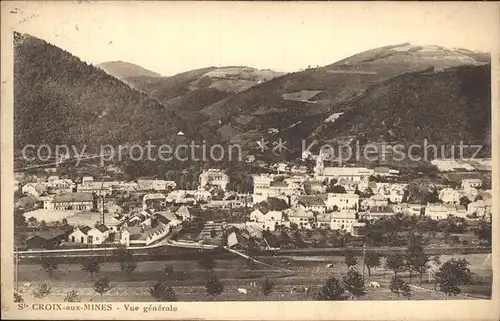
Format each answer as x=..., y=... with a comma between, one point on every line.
x=122, y=253
x=43, y=226
x=162, y=293
x=41, y=291
x=399, y=286
x=102, y=286
x=416, y=260
x=49, y=265
x=395, y=262
x=207, y=262
x=332, y=290
x=91, y=268
x=433, y=268
x=464, y=200
x=483, y=233
x=125, y=257
x=267, y=287
x=350, y=259
x=72, y=296
x=451, y=275
x=214, y=286
x=128, y=266
x=354, y=283
x=372, y=260
x=18, y=298
x=335, y=189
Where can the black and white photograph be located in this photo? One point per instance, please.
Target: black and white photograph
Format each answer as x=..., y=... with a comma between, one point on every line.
x=169, y=152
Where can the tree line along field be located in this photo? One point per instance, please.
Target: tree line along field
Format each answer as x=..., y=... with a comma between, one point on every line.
x=188, y=280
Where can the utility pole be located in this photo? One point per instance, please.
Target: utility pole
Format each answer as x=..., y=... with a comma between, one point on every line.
x=364, y=254
x=17, y=268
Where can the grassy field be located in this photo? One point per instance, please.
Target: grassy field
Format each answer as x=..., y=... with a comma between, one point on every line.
x=189, y=280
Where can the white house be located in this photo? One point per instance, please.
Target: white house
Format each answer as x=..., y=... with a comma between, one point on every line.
x=408, y=209
x=353, y=174
x=214, y=177
x=272, y=219
x=341, y=201
x=301, y=217
x=157, y=233
x=153, y=200
x=158, y=185
x=74, y=201
x=125, y=237
x=439, y=211
x=34, y=189
x=261, y=184
x=98, y=234
x=449, y=196
x=257, y=216
x=481, y=208
x=343, y=220
x=48, y=202
x=268, y=221
x=377, y=212
x=396, y=196
x=79, y=235
x=61, y=185
x=168, y=218
x=87, y=180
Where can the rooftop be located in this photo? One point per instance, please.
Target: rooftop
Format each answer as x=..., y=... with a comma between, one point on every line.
x=311, y=200
x=73, y=197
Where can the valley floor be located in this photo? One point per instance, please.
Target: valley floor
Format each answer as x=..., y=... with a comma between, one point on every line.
x=189, y=280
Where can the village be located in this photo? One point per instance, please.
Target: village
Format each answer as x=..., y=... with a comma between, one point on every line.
x=323, y=207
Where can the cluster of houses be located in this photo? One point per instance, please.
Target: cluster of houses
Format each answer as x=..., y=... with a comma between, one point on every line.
x=469, y=201
x=311, y=205
x=336, y=198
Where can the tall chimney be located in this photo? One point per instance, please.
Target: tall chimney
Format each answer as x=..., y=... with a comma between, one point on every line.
x=102, y=209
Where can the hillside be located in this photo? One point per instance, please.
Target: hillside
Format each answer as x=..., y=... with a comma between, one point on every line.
x=444, y=107
x=395, y=94
x=58, y=99
x=190, y=92
x=123, y=70
x=300, y=102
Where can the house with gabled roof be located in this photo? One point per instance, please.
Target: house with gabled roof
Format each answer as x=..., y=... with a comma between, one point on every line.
x=313, y=203
x=98, y=234
x=167, y=217
x=157, y=233
x=46, y=239
x=236, y=241
x=79, y=235
x=298, y=215
x=74, y=201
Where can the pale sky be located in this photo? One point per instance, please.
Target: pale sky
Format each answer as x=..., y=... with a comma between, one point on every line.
x=172, y=37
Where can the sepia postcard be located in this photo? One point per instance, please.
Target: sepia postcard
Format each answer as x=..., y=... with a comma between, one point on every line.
x=250, y=160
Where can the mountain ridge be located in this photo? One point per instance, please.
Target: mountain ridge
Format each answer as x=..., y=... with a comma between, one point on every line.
x=122, y=70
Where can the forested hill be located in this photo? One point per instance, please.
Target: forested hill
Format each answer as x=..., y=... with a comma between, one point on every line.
x=443, y=107
x=59, y=99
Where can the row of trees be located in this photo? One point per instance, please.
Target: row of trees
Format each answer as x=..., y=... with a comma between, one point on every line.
x=449, y=275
